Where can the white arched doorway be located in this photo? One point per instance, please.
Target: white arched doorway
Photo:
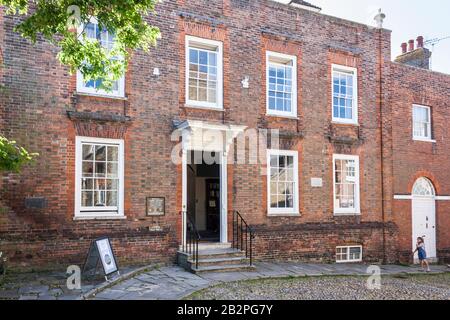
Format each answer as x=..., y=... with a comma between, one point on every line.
x=424, y=216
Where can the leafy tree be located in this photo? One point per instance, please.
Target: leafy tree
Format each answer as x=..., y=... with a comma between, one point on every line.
x=12, y=156
x=56, y=20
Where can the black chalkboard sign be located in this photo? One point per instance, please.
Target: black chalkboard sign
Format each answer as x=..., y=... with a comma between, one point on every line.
x=100, y=253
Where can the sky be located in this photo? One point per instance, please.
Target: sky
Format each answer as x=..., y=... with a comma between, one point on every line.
x=407, y=19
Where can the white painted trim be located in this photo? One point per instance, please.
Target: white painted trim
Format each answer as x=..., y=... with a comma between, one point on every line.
x=202, y=104
x=428, y=138
x=340, y=68
x=183, y=196
x=346, y=211
x=271, y=212
x=293, y=113
x=223, y=198
x=223, y=195
x=410, y=197
x=402, y=197
x=78, y=172
x=91, y=217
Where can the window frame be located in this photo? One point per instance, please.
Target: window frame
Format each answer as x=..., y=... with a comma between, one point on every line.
x=101, y=212
x=430, y=124
x=81, y=88
x=347, y=260
x=293, y=112
x=283, y=211
x=357, y=208
x=355, y=112
x=219, y=98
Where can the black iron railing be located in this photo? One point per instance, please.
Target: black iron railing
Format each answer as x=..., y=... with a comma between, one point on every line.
x=243, y=236
x=192, y=238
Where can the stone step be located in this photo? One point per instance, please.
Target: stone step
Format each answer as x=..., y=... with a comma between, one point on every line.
x=220, y=253
x=220, y=261
x=225, y=268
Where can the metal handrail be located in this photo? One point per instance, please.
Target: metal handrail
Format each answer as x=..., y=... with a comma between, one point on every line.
x=192, y=238
x=243, y=235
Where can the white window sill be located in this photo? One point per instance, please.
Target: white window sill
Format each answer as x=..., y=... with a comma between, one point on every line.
x=193, y=106
x=349, y=261
x=94, y=217
x=286, y=116
x=275, y=215
x=355, y=124
x=101, y=95
x=348, y=214
x=424, y=140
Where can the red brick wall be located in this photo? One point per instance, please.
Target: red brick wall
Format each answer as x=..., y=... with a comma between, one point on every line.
x=415, y=159
x=40, y=92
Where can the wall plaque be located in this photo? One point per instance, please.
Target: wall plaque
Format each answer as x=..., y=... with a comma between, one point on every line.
x=156, y=206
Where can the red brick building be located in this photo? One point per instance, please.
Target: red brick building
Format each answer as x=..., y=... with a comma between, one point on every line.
x=336, y=185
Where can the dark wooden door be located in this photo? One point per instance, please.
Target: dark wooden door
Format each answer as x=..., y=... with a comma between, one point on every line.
x=213, y=205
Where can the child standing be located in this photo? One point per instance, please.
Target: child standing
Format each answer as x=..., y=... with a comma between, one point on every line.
x=420, y=248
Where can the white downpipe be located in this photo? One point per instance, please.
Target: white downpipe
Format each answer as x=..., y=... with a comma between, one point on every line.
x=184, y=198
x=223, y=198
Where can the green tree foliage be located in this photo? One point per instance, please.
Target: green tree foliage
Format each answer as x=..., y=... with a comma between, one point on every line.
x=12, y=156
x=54, y=20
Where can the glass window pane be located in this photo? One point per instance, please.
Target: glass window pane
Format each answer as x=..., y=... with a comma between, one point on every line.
x=212, y=59
x=113, y=153
x=274, y=201
x=203, y=57
x=88, y=169
x=88, y=152
x=100, y=153
x=87, y=184
x=99, y=198
x=100, y=169
x=99, y=184
x=212, y=95
x=111, y=199
x=87, y=199
x=281, y=201
x=112, y=184
x=193, y=56
x=113, y=170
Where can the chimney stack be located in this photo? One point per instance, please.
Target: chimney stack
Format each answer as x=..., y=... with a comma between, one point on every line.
x=417, y=57
x=411, y=45
x=419, y=42
x=404, y=47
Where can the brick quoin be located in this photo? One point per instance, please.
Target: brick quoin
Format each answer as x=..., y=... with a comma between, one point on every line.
x=41, y=110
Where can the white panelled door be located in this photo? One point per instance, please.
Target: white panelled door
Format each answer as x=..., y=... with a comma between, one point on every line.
x=424, y=216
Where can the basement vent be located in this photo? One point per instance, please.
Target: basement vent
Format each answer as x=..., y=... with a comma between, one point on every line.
x=348, y=254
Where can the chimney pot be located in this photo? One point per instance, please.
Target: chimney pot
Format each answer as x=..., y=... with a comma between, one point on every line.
x=404, y=47
x=419, y=42
x=411, y=45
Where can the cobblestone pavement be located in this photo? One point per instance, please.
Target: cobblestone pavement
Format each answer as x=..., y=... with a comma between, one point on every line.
x=175, y=283
x=408, y=287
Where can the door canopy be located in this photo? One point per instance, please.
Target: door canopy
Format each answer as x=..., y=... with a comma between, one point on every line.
x=205, y=136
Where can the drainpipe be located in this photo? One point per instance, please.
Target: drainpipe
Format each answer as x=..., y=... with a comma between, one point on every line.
x=383, y=213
